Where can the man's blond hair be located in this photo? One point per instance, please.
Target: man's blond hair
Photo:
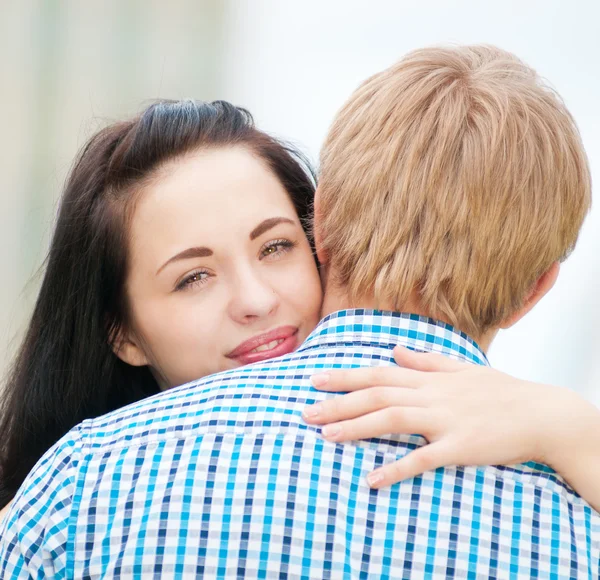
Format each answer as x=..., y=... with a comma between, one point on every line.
x=456, y=174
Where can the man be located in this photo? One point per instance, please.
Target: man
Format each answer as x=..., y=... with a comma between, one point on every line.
x=452, y=185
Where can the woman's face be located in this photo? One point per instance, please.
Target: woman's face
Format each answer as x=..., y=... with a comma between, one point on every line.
x=221, y=273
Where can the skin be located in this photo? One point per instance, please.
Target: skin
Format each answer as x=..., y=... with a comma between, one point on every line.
x=189, y=312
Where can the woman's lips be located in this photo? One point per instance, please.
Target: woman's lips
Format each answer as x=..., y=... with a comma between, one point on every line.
x=274, y=343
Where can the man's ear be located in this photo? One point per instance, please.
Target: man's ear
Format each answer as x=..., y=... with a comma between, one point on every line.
x=317, y=232
x=128, y=349
x=542, y=286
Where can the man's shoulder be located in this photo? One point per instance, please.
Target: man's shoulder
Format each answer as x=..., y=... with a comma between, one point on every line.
x=184, y=407
x=41, y=510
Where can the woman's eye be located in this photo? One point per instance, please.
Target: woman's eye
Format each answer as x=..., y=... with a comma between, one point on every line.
x=276, y=248
x=194, y=279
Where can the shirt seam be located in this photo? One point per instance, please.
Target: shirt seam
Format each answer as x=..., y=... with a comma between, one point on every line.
x=541, y=480
x=79, y=480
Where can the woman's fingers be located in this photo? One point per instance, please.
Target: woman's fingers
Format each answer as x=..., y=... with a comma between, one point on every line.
x=390, y=420
x=362, y=378
x=408, y=374
x=360, y=403
x=425, y=361
x=423, y=459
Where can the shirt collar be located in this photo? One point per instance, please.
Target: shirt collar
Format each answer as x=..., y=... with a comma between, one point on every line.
x=388, y=329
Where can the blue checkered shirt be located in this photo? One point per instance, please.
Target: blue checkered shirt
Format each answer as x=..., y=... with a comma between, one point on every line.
x=221, y=478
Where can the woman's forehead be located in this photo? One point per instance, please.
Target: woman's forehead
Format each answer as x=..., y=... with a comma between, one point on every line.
x=208, y=198
x=213, y=183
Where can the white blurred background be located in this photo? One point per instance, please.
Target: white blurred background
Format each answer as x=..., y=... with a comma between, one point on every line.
x=68, y=67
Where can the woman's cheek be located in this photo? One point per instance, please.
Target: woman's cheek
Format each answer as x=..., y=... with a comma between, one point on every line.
x=302, y=290
x=312, y=291
x=175, y=336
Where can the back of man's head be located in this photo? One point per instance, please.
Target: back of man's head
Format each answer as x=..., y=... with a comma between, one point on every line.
x=457, y=175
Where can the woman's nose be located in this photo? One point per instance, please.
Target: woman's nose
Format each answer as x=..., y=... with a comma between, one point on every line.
x=253, y=298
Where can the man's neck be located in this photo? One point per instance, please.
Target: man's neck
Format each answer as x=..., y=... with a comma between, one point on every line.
x=334, y=300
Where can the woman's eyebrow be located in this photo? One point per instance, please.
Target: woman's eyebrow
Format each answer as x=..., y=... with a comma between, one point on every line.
x=267, y=224
x=201, y=252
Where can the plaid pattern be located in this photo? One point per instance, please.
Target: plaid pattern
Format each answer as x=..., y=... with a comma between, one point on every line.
x=221, y=478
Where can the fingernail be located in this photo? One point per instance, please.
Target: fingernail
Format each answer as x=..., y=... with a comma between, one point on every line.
x=330, y=431
x=319, y=379
x=311, y=411
x=374, y=478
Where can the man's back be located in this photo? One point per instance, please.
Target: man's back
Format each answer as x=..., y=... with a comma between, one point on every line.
x=222, y=478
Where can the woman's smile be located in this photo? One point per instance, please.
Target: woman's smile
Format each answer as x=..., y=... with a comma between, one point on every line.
x=277, y=342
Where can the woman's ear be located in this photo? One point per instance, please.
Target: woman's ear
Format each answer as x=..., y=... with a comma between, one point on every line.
x=129, y=350
x=542, y=286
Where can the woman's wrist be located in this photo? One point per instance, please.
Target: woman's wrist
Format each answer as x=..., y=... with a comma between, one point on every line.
x=578, y=461
x=574, y=434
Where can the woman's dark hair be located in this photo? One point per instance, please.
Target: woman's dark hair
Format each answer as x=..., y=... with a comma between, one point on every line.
x=66, y=370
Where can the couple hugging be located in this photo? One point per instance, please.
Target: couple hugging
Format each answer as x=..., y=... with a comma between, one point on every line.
x=177, y=408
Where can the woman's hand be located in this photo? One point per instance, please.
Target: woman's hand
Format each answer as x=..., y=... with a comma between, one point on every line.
x=470, y=415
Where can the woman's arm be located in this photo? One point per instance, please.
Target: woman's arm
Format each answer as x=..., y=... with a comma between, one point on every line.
x=577, y=459
x=471, y=415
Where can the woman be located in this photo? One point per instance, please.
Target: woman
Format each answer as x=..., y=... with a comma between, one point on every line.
x=165, y=218
x=181, y=234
